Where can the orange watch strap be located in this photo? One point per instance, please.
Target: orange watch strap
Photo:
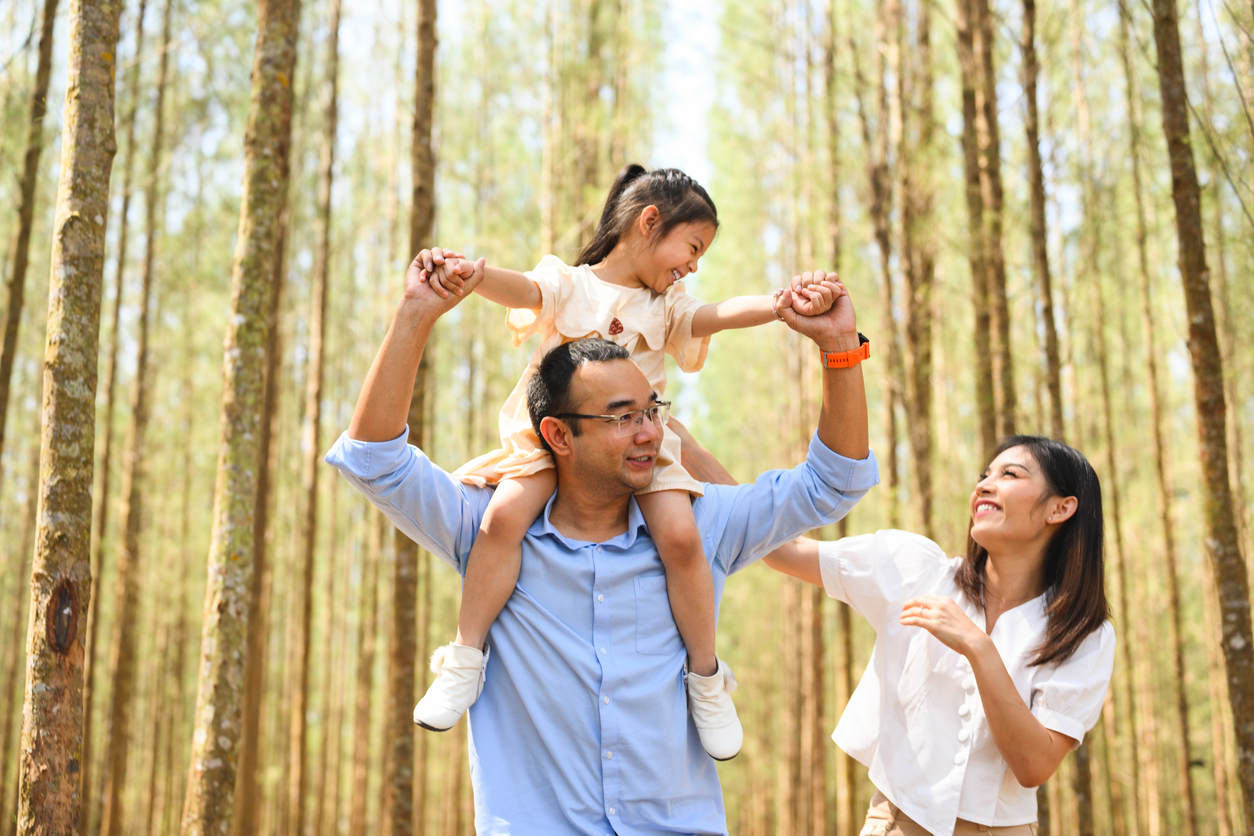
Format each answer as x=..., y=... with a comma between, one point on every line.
x=846, y=359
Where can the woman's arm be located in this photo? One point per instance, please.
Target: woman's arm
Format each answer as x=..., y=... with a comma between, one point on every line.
x=446, y=271
x=1032, y=751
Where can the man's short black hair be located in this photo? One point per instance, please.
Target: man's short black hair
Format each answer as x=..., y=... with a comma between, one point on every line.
x=548, y=393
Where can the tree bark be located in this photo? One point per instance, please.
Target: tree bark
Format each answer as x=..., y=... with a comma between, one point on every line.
x=991, y=189
x=11, y=698
x=366, y=609
x=211, y=785
x=52, y=714
x=106, y=458
x=122, y=647
x=16, y=290
x=831, y=115
x=1221, y=531
x=297, y=778
x=985, y=403
x=1040, y=247
x=816, y=721
x=256, y=666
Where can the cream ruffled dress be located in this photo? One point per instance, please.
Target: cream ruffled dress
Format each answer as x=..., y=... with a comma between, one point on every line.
x=574, y=304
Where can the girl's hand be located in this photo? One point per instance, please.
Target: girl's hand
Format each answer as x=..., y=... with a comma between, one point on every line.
x=445, y=270
x=945, y=620
x=426, y=294
x=816, y=299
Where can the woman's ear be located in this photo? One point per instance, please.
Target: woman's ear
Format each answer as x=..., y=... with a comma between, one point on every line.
x=557, y=433
x=1061, y=509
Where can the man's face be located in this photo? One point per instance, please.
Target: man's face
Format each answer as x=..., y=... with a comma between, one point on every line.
x=601, y=459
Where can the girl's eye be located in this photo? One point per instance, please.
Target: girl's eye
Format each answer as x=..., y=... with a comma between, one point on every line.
x=1011, y=474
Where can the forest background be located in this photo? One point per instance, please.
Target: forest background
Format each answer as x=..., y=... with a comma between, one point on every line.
x=893, y=140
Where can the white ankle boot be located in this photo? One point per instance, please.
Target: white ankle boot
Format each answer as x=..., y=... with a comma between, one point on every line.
x=459, y=673
x=709, y=700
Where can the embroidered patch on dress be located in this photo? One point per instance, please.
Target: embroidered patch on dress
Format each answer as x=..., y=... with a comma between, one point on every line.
x=616, y=327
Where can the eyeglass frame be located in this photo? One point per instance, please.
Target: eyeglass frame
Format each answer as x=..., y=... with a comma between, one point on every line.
x=661, y=408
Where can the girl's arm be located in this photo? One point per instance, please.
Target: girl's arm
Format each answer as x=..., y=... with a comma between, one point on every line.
x=748, y=311
x=447, y=272
x=1032, y=751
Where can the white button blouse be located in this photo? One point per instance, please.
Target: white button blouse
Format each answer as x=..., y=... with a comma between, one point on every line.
x=916, y=720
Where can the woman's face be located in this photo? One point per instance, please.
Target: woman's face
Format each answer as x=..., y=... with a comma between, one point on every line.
x=1012, y=504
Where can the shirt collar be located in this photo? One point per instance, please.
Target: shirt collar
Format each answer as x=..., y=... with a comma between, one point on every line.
x=635, y=522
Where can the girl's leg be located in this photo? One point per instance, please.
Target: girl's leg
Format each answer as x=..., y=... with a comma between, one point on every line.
x=495, y=559
x=689, y=583
x=492, y=569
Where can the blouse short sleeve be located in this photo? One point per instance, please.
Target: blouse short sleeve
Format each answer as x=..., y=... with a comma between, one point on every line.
x=874, y=573
x=1069, y=699
x=552, y=277
x=689, y=352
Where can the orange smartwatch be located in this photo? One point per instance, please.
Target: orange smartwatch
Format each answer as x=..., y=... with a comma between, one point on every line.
x=846, y=359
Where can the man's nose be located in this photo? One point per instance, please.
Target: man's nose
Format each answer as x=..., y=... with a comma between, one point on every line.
x=648, y=429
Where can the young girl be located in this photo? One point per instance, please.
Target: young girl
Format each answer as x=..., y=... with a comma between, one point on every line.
x=625, y=286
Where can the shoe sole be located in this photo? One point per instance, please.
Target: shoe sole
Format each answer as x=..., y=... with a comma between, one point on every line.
x=433, y=728
x=723, y=760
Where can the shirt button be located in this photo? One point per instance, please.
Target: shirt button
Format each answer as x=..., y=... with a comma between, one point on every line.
x=611, y=811
x=610, y=755
x=603, y=651
x=963, y=735
x=600, y=597
x=960, y=758
x=605, y=700
x=968, y=683
x=964, y=710
x=600, y=549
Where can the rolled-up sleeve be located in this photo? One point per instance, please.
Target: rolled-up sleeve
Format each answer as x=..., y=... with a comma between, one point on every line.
x=752, y=520
x=434, y=510
x=1070, y=698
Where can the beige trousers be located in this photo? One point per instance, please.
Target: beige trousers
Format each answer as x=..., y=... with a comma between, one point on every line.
x=884, y=819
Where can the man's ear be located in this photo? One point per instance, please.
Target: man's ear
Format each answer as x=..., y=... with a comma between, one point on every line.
x=557, y=433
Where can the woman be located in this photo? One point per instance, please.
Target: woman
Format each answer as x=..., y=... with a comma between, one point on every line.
x=987, y=669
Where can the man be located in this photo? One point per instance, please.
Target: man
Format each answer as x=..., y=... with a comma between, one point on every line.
x=584, y=726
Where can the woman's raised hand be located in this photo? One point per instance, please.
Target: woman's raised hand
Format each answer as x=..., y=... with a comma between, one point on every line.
x=945, y=620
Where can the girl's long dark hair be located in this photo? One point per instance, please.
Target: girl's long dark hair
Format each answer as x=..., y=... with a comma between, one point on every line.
x=1075, y=591
x=679, y=200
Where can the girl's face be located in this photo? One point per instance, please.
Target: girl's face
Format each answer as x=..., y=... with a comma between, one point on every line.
x=1012, y=505
x=674, y=256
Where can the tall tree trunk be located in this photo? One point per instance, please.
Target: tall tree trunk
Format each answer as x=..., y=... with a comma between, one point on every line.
x=245, y=821
x=588, y=132
x=991, y=189
x=831, y=112
x=816, y=725
x=326, y=779
x=1040, y=248
x=297, y=778
x=52, y=712
x=367, y=607
x=211, y=785
x=917, y=201
x=424, y=650
x=122, y=647
x=11, y=699
x=1151, y=355
x=16, y=290
x=985, y=403
x=92, y=810
x=787, y=750
x=1221, y=531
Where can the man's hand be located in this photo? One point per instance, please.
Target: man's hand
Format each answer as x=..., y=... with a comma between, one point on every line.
x=429, y=286
x=836, y=329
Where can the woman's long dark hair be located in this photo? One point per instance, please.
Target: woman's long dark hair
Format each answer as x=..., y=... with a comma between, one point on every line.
x=679, y=200
x=1075, y=590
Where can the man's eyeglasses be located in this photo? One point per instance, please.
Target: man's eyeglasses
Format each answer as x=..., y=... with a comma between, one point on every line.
x=629, y=423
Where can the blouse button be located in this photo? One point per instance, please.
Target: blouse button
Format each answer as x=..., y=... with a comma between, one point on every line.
x=968, y=683
x=964, y=710
x=963, y=735
x=960, y=758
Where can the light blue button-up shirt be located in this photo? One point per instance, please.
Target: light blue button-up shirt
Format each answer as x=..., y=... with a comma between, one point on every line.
x=583, y=726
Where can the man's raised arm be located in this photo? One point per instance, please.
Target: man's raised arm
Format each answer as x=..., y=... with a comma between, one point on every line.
x=384, y=402
x=843, y=421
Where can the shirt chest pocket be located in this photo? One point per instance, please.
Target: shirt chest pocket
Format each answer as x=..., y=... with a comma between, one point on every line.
x=656, y=633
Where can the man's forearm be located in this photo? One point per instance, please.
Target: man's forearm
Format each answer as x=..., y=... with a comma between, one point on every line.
x=383, y=406
x=843, y=420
